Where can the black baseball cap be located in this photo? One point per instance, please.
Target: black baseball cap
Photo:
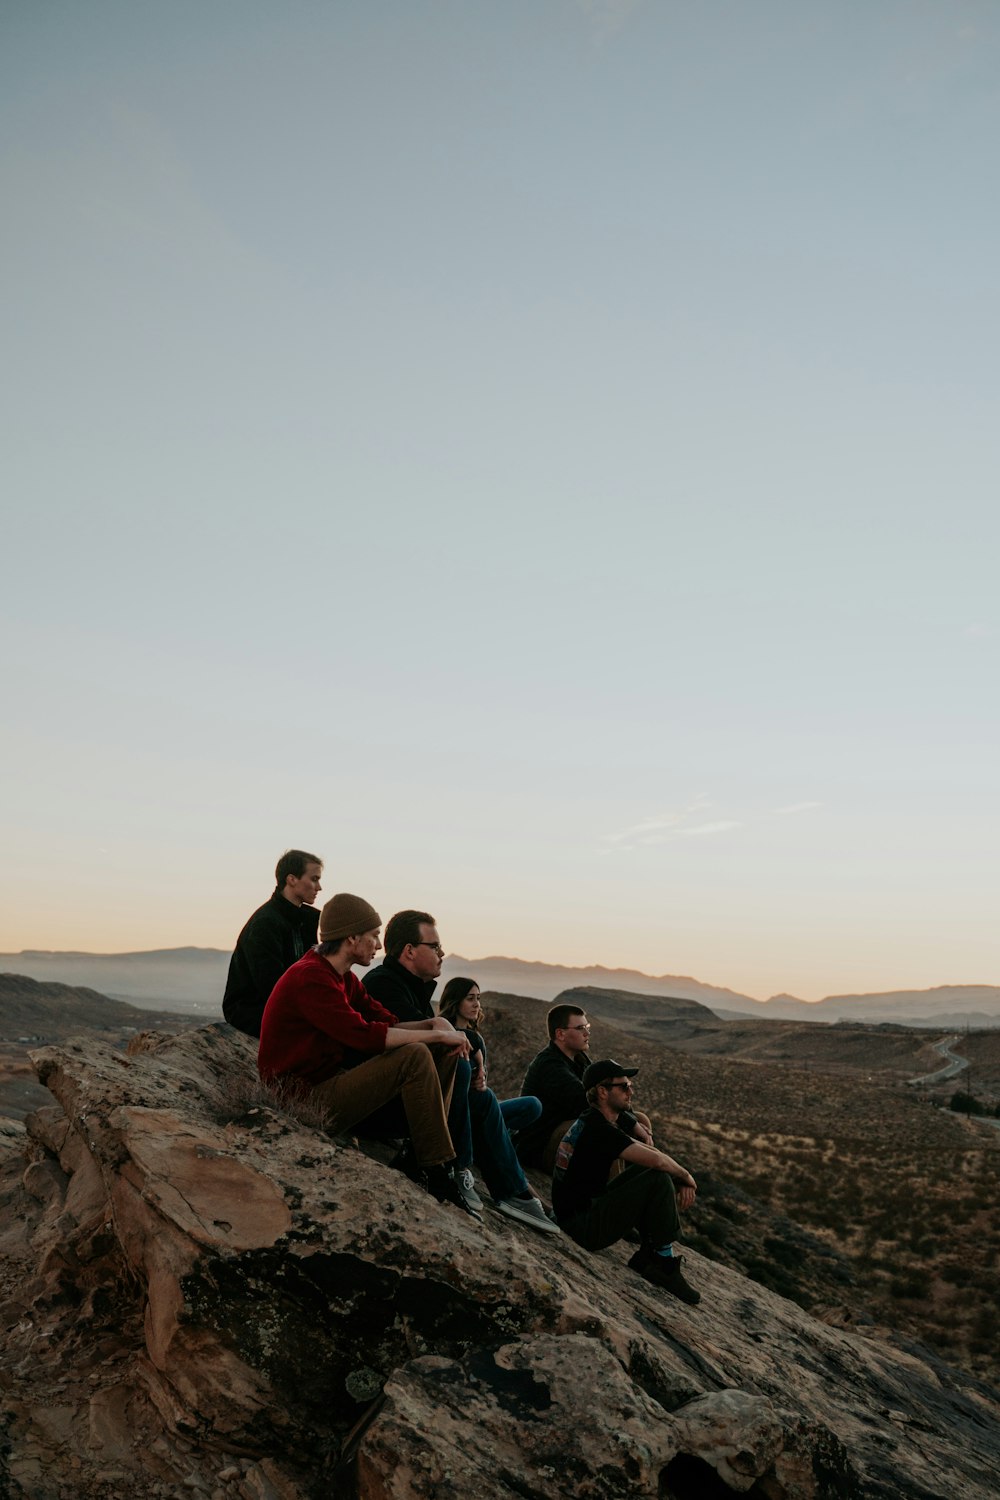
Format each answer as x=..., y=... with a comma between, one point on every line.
x=600, y=1072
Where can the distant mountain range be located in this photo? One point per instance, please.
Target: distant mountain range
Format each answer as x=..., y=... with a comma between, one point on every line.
x=193, y=980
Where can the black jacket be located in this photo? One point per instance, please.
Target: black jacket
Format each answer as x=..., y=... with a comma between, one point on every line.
x=558, y=1081
x=405, y=994
x=278, y=933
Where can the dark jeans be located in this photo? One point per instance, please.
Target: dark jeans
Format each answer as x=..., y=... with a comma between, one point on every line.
x=492, y=1147
x=520, y=1113
x=458, y=1115
x=639, y=1198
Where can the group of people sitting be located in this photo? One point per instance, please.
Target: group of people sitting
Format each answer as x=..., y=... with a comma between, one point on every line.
x=382, y=1063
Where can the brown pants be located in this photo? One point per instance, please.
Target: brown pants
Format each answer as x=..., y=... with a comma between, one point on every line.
x=552, y=1145
x=421, y=1076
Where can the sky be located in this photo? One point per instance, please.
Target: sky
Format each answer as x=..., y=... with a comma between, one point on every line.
x=540, y=457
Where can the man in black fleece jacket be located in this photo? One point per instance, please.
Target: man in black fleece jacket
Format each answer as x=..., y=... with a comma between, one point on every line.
x=555, y=1076
x=279, y=932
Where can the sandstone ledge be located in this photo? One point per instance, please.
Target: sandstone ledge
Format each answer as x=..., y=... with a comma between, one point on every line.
x=240, y=1307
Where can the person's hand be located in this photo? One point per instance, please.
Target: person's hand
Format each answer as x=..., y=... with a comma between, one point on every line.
x=445, y=1034
x=479, y=1077
x=685, y=1198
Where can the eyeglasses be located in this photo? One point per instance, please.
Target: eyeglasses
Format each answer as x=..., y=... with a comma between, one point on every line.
x=620, y=1084
x=584, y=1027
x=436, y=946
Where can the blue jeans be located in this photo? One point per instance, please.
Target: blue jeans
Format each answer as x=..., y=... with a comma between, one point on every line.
x=492, y=1147
x=517, y=1113
x=458, y=1115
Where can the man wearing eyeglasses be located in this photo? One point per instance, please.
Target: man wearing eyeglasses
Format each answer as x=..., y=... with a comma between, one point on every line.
x=406, y=979
x=322, y=1037
x=404, y=983
x=643, y=1199
x=555, y=1076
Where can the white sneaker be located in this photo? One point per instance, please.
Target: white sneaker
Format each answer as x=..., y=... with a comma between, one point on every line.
x=527, y=1211
x=467, y=1187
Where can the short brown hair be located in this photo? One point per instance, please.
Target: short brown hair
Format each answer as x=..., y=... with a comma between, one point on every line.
x=293, y=862
x=404, y=928
x=558, y=1018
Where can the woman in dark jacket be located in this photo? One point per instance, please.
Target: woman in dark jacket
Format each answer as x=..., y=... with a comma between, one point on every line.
x=460, y=1005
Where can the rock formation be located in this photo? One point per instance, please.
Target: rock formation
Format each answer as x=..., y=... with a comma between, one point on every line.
x=206, y=1297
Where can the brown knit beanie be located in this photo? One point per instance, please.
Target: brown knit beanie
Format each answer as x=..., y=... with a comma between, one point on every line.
x=346, y=916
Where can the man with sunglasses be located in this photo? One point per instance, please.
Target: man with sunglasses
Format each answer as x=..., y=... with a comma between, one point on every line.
x=555, y=1075
x=404, y=984
x=643, y=1199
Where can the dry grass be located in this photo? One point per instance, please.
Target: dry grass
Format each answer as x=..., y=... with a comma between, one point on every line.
x=241, y=1099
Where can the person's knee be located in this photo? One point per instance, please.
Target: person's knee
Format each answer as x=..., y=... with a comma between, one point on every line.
x=662, y=1185
x=416, y=1062
x=483, y=1103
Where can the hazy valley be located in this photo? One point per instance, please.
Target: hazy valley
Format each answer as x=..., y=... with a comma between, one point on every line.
x=193, y=979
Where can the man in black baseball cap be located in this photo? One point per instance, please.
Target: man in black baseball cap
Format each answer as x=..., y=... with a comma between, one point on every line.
x=555, y=1076
x=600, y=1072
x=597, y=1212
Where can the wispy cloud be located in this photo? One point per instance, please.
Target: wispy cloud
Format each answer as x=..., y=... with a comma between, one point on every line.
x=654, y=830
x=640, y=831
x=976, y=632
x=680, y=823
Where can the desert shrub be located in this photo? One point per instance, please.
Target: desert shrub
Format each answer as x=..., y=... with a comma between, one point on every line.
x=714, y=1231
x=782, y=1252
x=703, y=1245
x=912, y=1286
x=243, y=1099
x=965, y=1104
x=776, y=1279
x=987, y=1324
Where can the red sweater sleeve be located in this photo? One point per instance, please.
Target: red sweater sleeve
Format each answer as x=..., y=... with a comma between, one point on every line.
x=314, y=1018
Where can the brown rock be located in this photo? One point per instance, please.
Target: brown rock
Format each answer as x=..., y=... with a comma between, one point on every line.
x=218, y=1290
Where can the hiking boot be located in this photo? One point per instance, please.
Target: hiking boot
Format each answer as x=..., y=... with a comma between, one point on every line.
x=665, y=1271
x=467, y=1187
x=527, y=1211
x=441, y=1184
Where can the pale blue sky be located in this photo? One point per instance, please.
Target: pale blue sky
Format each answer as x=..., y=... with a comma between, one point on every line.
x=542, y=456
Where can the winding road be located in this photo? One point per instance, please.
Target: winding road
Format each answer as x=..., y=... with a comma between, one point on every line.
x=953, y=1067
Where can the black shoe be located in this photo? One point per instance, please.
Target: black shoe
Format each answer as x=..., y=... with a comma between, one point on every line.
x=441, y=1184
x=405, y=1161
x=665, y=1271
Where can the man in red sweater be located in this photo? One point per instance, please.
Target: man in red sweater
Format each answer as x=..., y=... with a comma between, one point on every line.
x=322, y=1033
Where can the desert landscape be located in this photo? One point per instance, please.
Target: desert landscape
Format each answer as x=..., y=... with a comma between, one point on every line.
x=822, y=1173
x=828, y=1183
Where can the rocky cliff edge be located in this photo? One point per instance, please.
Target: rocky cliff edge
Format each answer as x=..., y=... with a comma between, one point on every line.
x=205, y=1297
